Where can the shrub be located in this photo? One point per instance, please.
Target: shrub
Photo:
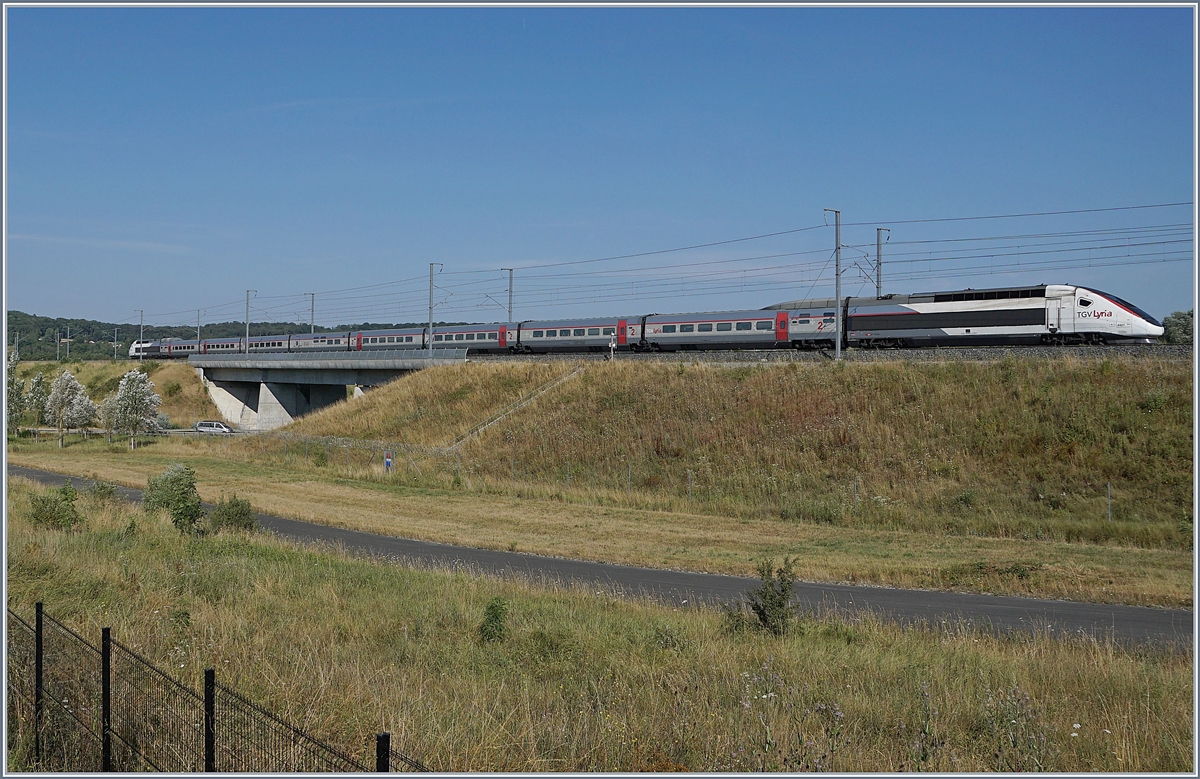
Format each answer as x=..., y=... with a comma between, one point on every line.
x=102, y=491
x=175, y=491
x=493, y=627
x=171, y=389
x=234, y=513
x=771, y=601
x=55, y=508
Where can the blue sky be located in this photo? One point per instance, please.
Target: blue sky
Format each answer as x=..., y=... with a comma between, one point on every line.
x=170, y=159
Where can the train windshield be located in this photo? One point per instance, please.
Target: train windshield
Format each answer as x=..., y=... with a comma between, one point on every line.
x=1129, y=306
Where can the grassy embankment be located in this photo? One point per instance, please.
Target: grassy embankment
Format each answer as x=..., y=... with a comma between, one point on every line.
x=346, y=648
x=185, y=401
x=985, y=477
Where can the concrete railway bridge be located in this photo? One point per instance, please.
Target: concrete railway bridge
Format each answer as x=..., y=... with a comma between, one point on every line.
x=267, y=391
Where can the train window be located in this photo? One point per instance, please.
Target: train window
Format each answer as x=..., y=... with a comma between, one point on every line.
x=537, y=333
x=1084, y=302
x=743, y=325
x=827, y=320
x=593, y=331
x=470, y=336
x=391, y=339
x=458, y=336
x=828, y=313
x=408, y=339
x=802, y=321
x=687, y=328
x=437, y=338
x=337, y=341
x=705, y=328
x=764, y=324
x=564, y=332
x=581, y=331
x=610, y=331
x=668, y=328
x=724, y=326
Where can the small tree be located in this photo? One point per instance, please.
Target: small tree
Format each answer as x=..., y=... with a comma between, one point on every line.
x=16, y=394
x=175, y=490
x=1177, y=327
x=36, y=398
x=136, y=406
x=106, y=413
x=81, y=414
x=63, y=406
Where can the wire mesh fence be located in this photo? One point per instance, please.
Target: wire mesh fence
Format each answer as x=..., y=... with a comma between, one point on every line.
x=75, y=706
x=155, y=716
x=252, y=739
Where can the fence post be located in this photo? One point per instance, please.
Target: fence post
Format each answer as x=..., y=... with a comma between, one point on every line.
x=37, y=682
x=106, y=699
x=210, y=719
x=383, y=752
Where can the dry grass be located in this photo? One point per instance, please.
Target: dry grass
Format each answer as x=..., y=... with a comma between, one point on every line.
x=430, y=410
x=362, y=499
x=347, y=648
x=185, y=401
x=1017, y=449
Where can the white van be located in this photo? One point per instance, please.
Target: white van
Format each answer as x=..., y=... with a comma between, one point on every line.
x=215, y=428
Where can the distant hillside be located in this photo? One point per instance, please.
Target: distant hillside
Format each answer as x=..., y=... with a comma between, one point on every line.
x=91, y=340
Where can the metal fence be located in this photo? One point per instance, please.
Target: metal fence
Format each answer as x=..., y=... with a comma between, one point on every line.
x=75, y=706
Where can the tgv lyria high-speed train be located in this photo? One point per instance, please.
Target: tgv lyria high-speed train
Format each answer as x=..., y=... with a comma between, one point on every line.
x=1043, y=314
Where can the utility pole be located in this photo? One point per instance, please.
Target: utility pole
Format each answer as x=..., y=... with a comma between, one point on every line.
x=430, y=342
x=837, y=284
x=248, y=318
x=198, y=331
x=141, y=332
x=57, y=345
x=17, y=346
x=115, y=342
x=879, y=231
x=510, y=287
x=68, y=342
x=312, y=313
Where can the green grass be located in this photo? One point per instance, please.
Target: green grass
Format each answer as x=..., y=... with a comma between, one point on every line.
x=583, y=681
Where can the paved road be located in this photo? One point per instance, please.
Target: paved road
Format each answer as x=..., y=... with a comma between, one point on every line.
x=1126, y=624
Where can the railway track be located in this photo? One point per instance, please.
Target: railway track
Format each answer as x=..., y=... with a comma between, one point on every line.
x=1180, y=352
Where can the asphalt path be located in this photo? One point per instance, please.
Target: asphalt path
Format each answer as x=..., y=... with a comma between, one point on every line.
x=1130, y=625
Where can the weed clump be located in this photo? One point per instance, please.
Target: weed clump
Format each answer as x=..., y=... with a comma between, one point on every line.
x=770, y=603
x=235, y=513
x=55, y=508
x=102, y=491
x=175, y=490
x=495, y=617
